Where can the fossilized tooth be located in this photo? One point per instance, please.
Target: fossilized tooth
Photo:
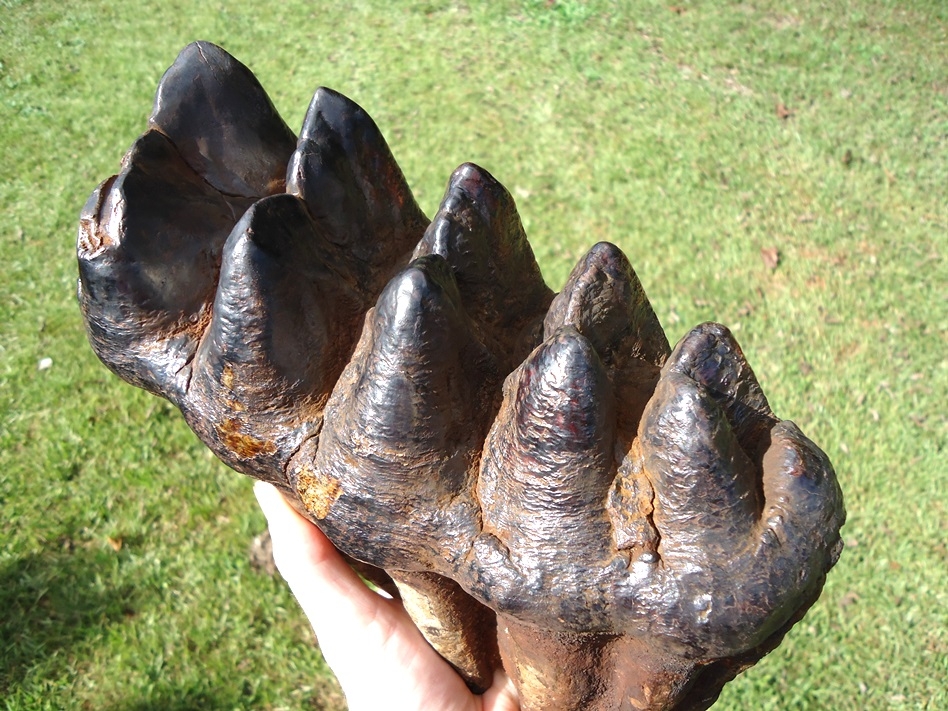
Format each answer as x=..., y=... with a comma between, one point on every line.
x=149, y=249
x=633, y=564
x=282, y=329
x=478, y=231
x=404, y=426
x=344, y=171
x=546, y=468
x=214, y=110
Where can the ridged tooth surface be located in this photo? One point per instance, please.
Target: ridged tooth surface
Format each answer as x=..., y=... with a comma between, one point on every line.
x=346, y=174
x=214, y=110
x=546, y=469
x=706, y=489
x=478, y=231
x=284, y=321
x=711, y=357
x=149, y=249
x=604, y=300
x=404, y=425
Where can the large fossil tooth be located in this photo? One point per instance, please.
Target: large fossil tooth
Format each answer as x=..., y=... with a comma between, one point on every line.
x=215, y=111
x=344, y=171
x=630, y=528
x=478, y=231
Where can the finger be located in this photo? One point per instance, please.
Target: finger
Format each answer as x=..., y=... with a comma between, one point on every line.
x=326, y=587
x=359, y=632
x=502, y=695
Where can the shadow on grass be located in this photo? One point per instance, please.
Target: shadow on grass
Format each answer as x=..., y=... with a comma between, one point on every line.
x=51, y=601
x=179, y=701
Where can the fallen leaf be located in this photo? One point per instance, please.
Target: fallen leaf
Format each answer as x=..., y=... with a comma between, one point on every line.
x=677, y=9
x=783, y=112
x=771, y=257
x=116, y=543
x=848, y=599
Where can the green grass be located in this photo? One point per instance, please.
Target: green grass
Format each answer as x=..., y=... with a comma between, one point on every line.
x=651, y=128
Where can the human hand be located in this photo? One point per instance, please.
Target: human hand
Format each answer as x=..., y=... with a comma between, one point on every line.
x=378, y=655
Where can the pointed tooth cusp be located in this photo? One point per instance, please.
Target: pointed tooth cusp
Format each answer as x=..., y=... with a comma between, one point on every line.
x=478, y=231
x=604, y=300
x=404, y=425
x=710, y=355
x=285, y=314
x=346, y=174
x=547, y=462
x=215, y=111
x=707, y=497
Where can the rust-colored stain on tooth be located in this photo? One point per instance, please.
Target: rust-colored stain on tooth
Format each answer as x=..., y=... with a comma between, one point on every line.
x=227, y=377
x=318, y=492
x=243, y=445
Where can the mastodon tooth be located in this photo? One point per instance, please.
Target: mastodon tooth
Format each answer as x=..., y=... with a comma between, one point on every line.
x=214, y=110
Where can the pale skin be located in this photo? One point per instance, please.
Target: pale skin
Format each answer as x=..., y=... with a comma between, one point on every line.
x=378, y=655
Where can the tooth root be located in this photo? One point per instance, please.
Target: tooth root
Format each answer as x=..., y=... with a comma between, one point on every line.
x=346, y=174
x=707, y=497
x=547, y=464
x=215, y=111
x=478, y=231
x=282, y=327
x=404, y=424
x=590, y=672
x=604, y=300
x=711, y=357
x=149, y=249
x=461, y=629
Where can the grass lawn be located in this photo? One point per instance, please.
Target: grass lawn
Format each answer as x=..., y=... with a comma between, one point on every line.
x=699, y=137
